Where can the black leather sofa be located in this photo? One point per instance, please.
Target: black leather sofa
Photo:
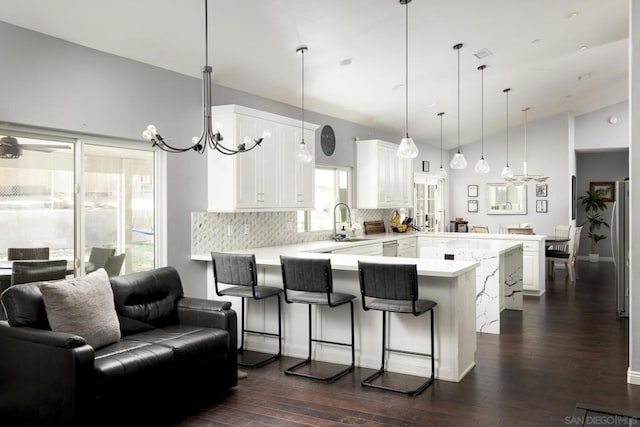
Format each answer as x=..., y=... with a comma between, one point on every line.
x=170, y=345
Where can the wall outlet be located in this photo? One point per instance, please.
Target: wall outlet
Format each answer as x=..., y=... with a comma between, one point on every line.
x=229, y=230
x=246, y=229
x=449, y=257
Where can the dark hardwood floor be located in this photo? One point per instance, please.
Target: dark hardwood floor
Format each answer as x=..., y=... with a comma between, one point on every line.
x=566, y=347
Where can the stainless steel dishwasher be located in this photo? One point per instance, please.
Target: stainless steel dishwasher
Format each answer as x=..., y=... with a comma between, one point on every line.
x=390, y=248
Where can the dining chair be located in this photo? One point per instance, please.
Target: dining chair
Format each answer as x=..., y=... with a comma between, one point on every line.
x=98, y=258
x=114, y=264
x=37, y=271
x=562, y=231
x=27, y=254
x=567, y=258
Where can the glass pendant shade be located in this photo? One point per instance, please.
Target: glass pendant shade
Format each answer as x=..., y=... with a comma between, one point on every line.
x=458, y=161
x=507, y=173
x=302, y=153
x=482, y=166
x=407, y=149
x=442, y=173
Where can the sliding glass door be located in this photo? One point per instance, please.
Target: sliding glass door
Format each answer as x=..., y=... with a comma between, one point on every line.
x=93, y=203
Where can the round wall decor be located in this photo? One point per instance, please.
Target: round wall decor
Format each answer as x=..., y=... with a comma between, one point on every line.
x=328, y=140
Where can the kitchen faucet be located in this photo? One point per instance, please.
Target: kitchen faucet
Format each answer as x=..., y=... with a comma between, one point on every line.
x=335, y=234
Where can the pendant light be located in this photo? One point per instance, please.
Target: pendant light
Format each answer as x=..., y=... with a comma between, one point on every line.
x=441, y=172
x=458, y=161
x=507, y=174
x=407, y=148
x=302, y=153
x=482, y=166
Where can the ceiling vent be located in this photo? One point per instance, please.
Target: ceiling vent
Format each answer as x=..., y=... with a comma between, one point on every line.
x=483, y=53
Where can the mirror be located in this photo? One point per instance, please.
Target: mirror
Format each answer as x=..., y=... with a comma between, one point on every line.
x=507, y=198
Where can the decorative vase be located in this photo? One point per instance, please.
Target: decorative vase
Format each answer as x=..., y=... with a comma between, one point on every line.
x=594, y=257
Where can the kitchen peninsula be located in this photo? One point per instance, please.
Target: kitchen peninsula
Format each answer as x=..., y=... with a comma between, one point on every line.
x=452, y=284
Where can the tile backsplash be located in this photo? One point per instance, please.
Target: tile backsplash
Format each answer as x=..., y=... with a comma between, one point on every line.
x=212, y=231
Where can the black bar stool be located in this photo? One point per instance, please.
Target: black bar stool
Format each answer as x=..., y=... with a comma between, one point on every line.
x=240, y=272
x=309, y=281
x=393, y=288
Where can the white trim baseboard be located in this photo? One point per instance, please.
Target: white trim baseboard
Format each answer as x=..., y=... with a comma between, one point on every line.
x=602, y=258
x=633, y=377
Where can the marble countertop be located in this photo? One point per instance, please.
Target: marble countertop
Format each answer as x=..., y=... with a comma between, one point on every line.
x=479, y=245
x=426, y=267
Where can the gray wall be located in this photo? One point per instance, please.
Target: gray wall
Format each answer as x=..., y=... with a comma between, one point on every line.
x=50, y=83
x=607, y=166
x=547, y=152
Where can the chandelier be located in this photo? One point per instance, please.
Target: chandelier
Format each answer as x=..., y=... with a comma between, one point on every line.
x=526, y=176
x=210, y=136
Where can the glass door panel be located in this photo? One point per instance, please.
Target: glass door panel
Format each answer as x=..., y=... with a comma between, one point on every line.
x=119, y=207
x=37, y=196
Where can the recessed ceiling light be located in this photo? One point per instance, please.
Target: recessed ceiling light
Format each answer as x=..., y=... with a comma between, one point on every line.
x=534, y=41
x=483, y=53
x=433, y=104
x=570, y=16
x=345, y=62
x=584, y=76
x=583, y=47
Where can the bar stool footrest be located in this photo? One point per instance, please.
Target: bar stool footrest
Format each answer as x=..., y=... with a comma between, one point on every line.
x=329, y=378
x=255, y=359
x=369, y=382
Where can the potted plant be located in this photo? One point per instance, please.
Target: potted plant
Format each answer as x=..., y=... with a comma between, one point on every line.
x=593, y=206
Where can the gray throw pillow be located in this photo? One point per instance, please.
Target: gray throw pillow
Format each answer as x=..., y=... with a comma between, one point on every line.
x=83, y=306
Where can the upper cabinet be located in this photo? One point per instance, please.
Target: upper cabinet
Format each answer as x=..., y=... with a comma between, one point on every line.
x=383, y=179
x=267, y=178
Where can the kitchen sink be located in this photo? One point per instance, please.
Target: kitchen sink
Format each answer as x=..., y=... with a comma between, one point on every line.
x=353, y=239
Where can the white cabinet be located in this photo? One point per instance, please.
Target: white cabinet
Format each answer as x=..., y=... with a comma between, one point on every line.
x=374, y=249
x=383, y=179
x=267, y=178
x=407, y=248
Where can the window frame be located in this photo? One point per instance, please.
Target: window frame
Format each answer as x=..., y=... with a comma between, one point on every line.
x=336, y=169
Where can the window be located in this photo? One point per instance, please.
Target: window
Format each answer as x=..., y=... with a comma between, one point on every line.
x=333, y=185
x=116, y=188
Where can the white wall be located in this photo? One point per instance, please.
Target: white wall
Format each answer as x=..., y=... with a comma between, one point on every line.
x=633, y=375
x=548, y=153
x=595, y=133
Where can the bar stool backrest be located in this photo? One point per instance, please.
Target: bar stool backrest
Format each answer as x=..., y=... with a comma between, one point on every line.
x=306, y=274
x=388, y=281
x=234, y=269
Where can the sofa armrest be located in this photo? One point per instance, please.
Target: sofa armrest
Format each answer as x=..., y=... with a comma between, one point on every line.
x=47, y=377
x=41, y=336
x=213, y=314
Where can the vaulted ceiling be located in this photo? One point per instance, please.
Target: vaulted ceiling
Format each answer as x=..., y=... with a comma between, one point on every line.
x=557, y=56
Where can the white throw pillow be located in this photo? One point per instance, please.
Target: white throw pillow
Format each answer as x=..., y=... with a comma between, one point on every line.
x=83, y=306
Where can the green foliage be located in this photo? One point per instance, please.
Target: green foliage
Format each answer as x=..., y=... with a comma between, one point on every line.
x=593, y=205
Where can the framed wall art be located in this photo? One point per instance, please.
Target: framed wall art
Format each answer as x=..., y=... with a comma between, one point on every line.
x=541, y=206
x=472, y=206
x=541, y=190
x=472, y=191
x=606, y=190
